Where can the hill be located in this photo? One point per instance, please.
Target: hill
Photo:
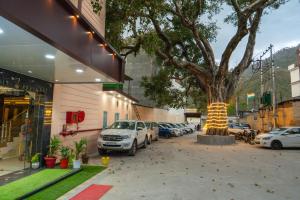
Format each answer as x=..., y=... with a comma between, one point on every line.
x=250, y=82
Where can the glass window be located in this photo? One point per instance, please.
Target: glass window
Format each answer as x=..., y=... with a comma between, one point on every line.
x=148, y=124
x=126, y=116
x=140, y=125
x=123, y=125
x=104, y=122
x=117, y=116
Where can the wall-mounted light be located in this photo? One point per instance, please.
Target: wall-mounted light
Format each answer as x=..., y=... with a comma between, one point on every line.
x=119, y=95
x=77, y=16
x=50, y=56
x=97, y=79
x=1, y=31
x=56, y=80
x=29, y=71
x=79, y=71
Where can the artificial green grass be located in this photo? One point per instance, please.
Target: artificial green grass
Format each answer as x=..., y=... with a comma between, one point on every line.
x=62, y=187
x=29, y=183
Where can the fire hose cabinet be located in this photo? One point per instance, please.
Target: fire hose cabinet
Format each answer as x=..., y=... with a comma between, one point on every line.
x=75, y=117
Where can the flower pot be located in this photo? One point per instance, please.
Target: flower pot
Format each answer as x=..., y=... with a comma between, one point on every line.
x=35, y=165
x=85, y=159
x=76, y=164
x=50, y=162
x=64, y=163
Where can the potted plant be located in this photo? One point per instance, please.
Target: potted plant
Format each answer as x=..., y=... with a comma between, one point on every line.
x=50, y=158
x=65, y=154
x=84, y=156
x=79, y=147
x=35, y=161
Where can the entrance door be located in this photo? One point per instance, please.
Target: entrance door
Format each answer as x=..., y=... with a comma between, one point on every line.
x=20, y=126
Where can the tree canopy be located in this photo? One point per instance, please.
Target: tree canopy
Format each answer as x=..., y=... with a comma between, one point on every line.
x=180, y=33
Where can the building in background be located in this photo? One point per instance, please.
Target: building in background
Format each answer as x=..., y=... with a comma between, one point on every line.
x=295, y=76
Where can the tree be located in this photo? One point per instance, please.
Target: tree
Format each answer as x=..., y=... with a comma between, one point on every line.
x=180, y=32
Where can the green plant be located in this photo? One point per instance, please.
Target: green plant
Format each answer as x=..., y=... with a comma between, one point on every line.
x=53, y=146
x=79, y=147
x=96, y=5
x=65, y=152
x=35, y=158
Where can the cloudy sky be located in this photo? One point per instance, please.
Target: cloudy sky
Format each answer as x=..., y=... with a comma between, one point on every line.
x=280, y=28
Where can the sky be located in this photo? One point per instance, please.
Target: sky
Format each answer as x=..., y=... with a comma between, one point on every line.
x=280, y=27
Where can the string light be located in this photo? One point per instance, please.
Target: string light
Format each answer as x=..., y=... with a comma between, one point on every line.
x=217, y=116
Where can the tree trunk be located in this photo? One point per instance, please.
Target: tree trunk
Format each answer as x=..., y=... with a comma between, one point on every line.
x=217, y=110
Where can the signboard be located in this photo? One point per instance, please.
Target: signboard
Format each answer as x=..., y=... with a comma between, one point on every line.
x=112, y=86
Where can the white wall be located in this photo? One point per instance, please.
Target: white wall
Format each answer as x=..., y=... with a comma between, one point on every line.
x=295, y=80
x=93, y=101
x=98, y=21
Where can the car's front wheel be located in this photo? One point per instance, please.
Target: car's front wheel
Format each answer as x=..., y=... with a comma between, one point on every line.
x=145, y=142
x=276, y=145
x=150, y=140
x=133, y=149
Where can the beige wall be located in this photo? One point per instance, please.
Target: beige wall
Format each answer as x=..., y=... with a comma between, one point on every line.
x=160, y=115
x=288, y=115
x=93, y=101
x=98, y=21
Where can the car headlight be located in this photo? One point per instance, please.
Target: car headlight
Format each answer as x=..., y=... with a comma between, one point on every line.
x=267, y=138
x=124, y=137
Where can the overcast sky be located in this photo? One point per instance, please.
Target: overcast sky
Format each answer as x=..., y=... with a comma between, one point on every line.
x=280, y=27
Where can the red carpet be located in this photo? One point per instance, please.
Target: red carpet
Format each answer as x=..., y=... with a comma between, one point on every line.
x=93, y=192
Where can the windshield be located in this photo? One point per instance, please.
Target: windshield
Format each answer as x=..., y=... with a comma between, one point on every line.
x=278, y=130
x=148, y=124
x=123, y=125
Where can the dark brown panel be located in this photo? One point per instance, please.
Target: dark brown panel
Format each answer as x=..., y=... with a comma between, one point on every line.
x=50, y=20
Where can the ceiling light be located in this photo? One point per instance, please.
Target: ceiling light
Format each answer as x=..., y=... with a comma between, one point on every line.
x=77, y=16
x=29, y=71
x=79, y=70
x=111, y=92
x=97, y=79
x=1, y=31
x=50, y=56
x=119, y=95
x=125, y=98
x=56, y=80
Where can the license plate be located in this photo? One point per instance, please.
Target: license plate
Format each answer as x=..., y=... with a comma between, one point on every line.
x=110, y=143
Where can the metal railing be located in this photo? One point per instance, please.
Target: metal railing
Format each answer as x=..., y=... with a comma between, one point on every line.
x=6, y=128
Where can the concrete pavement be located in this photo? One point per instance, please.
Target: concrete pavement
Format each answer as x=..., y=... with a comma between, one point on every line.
x=180, y=169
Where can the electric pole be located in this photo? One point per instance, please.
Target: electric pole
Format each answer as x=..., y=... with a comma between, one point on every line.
x=273, y=88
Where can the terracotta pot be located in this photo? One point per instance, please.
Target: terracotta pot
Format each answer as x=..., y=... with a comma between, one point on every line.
x=85, y=159
x=64, y=163
x=50, y=162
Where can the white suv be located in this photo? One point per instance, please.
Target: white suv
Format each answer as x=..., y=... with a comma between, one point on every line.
x=281, y=137
x=125, y=135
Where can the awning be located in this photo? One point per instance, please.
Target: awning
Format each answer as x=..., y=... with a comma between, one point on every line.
x=43, y=39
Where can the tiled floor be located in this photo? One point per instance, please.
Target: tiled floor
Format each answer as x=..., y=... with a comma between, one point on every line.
x=10, y=165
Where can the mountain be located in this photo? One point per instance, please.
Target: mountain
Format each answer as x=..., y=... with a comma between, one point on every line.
x=250, y=82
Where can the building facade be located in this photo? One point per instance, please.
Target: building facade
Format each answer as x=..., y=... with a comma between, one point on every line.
x=53, y=60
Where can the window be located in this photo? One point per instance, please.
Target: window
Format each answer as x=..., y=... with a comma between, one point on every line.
x=104, y=122
x=126, y=116
x=123, y=125
x=294, y=131
x=140, y=125
x=117, y=116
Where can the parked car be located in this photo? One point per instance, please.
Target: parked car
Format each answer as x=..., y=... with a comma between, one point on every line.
x=280, y=138
x=164, y=131
x=177, y=130
x=153, y=130
x=174, y=131
x=127, y=135
x=187, y=128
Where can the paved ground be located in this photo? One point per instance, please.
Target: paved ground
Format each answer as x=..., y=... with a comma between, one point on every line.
x=180, y=169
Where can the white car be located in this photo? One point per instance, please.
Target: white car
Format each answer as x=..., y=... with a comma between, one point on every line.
x=153, y=131
x=279, y=138
x=125, y=135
